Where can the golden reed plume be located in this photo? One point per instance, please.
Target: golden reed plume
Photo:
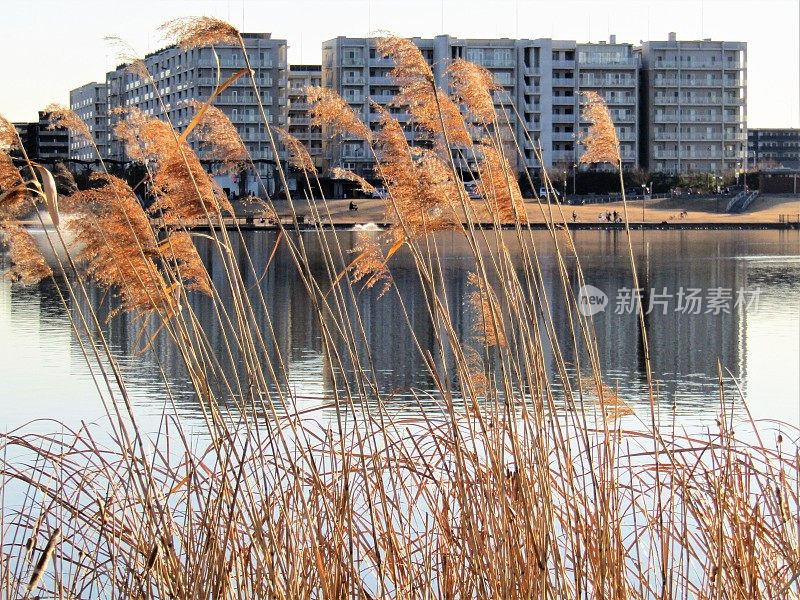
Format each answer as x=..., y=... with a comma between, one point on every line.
x=371, y=264
x=423, y=194
x=196, y=32
x=185, y=263
x=62, y=117
x=184, y=190
x=299, y=158
x=29, y=266
x=432, y=109
x=346, y=175
x=473, y=86
x=14, y=200
x=498, y=185
x=484, y=301
x=328, y=109
x=601, y=140
x=116, y=244
x=220, y=140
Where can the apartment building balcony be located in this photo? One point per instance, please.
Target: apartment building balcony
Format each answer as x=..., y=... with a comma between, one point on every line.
x=563, y=64
x=353, y=80
x=532, y=89
x=599, y=82
x=402, y=117
x=240, y=100
x=386, y=80
x=700, y=83
x=532, y=107
x=732, y=83
x=732, y=119
x=627, y=137
x=299, y=120
x=532, y=71
x=382, y=98
x=563, y=118
x=620, y=101
x=354, y=154
x=496, y=63
x=298, y=106
x=692, y=65
x=381, y=61
x=705, y=100
x=563, y=136
x=622, y=118
x=561, y=155
x=666, y=82
x=662, y=154
x=601, y=63
x=354, y=99
x=733, y=101
x=563, y=100
x=353, y=61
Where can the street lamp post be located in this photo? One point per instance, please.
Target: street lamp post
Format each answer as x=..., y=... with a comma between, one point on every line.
x=644, y=189
x=564, y=188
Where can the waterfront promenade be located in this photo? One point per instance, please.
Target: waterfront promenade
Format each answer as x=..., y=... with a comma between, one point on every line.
x=769, y=211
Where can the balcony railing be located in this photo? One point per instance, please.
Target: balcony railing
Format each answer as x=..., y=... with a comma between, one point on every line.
x=357, y=80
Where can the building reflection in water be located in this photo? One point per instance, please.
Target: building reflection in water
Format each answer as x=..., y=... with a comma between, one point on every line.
x=759, y=346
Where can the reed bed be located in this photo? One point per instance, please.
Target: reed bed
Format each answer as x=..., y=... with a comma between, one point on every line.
x=524, y=481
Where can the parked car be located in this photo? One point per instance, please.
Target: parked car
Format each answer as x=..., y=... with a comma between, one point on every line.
x=543, y=192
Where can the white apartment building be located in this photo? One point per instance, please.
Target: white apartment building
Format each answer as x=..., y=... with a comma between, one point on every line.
x=539, y=102
x=300, y=78
x=694, y=116
x=193, y=75
x=90, y=103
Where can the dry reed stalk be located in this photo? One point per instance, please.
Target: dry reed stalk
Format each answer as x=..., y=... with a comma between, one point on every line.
x=298, y=155
x=347, y=175
x=180, y=251
x=44, y=560
x=498, y=186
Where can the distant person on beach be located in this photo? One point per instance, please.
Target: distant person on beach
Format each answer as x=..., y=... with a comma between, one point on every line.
x=353, y=205
x=574, y=217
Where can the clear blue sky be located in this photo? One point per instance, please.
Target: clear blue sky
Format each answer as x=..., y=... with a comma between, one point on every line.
x=51, y=46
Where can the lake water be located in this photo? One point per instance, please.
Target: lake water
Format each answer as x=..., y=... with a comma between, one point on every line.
x=729, y=298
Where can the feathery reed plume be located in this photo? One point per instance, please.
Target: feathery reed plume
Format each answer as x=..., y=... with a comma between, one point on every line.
x=346, y=175
x=28, y=264
x=476, y=371
x=328, y=109
x=179, y=250
x=146, y=138
x=61, y=117
x=44, y=560
x=429, y=105
x=8, y=135
x=220, y=139
x=134, y=64
x=371, y=264
x=299, y=158
x=116, y=243
x=13, y=203
x=196, y=32
x=498, y=186
x=65, y=180
x=473, y=85
x=409, y=64
x=601, y=140
x=484, y=301
x=423, y=193
x=183, y=189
